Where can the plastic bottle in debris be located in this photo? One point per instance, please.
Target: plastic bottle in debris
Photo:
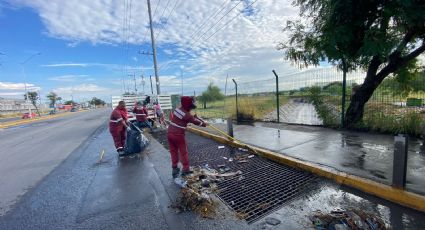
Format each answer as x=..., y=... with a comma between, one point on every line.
x=180, y=182
x=356, y=219
x=341, y=227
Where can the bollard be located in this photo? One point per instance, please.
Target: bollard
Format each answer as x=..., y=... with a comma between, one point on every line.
x=230, y=126
x=400, y=161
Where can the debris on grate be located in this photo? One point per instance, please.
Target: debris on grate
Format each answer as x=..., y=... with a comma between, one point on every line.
x=347, y=219
x=197, y=191
x=251, y=186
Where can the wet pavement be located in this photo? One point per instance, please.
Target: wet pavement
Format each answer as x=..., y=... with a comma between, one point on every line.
x=363, y=154
x=31, y=151
x=135, y=193
x=131, y=193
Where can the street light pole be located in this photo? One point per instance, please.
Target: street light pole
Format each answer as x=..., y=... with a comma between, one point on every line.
x=25, y=79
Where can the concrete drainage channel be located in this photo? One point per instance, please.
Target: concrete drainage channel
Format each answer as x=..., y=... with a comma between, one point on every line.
x=263, y=185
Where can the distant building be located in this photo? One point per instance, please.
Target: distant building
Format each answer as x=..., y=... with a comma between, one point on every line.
x=9, y=106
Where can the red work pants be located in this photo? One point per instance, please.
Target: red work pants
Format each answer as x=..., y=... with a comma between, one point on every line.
x=178, y=150
x=119, y=137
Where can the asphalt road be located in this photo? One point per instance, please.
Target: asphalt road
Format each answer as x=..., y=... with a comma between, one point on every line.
x=30, y=152
x=2, y=120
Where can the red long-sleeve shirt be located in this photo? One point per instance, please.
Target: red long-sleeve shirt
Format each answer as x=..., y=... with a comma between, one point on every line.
x=117, y=116
x=141, y=113
x=179, y=120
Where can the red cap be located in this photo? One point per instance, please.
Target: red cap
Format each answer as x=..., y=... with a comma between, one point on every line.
x=188, y=103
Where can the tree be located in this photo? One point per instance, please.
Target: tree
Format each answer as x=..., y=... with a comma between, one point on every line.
x=381, y=37
x=213, y=93
x=96, y=101
x=403, y=85
x=33, y=97
x=70, y=102
x=53, y=97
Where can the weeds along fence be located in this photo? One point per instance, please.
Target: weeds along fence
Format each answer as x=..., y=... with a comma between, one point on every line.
x=314, y=97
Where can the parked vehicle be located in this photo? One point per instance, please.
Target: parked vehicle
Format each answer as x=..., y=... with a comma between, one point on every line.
x=74, y=109
x=28, y=115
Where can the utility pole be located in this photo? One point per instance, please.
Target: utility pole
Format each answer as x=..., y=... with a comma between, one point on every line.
x=25, y=79
x=143, y=84
x=158, y=91
x=150, y=76
x=135, y=84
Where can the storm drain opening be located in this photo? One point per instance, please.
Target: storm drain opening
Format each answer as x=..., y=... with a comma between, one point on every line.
x=263, y=185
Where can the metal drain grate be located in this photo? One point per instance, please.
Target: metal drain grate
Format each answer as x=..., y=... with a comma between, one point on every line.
x=264, y=185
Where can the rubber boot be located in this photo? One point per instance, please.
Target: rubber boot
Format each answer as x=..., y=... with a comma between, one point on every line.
x=186, y=173
x=176, y=172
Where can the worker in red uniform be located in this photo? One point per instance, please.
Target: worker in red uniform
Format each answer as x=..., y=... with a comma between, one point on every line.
x=141, y=113
x=118, y=126
x=179, y=119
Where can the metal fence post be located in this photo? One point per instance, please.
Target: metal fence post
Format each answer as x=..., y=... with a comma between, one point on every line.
x=237, y=110
x=229, y=126
x=277, y=96
x=344, y=88
x=400, y=160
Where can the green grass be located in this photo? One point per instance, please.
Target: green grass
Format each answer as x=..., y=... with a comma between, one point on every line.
x=253, y=107
x=386, y=118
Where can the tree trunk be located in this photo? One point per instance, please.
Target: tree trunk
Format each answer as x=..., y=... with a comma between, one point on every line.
x=362, y=95
x=36, y=109
x=205, y=104
x=356, y=108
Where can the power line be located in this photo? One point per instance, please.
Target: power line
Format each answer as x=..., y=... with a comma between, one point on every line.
x=210, y=28
x=147, y=28
x=221, y=8
x=228, y=22
x=166, y=19
x=156, y=8
x=166, y=7
x=123, y=46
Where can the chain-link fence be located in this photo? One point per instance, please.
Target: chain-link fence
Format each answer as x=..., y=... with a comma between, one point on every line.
x=314, y=97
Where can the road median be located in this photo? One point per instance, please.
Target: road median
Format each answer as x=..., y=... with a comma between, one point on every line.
x=27, y=121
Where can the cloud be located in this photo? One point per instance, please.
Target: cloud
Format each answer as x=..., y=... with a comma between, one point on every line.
x=11, y=94
x=82, y=88
x=68, y=78
x=66, y=65
x=13, y=89
x=18, y=86
x=78, y=65
x=236, y=32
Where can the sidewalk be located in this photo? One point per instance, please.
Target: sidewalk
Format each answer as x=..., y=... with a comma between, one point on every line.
x=362, y=154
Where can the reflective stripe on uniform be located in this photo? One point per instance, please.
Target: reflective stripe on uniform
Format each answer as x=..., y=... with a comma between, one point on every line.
x=176, y=125
x=140, y=114
x=116, y=121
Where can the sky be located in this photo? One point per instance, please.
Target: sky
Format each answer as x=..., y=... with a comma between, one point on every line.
x=80, y=49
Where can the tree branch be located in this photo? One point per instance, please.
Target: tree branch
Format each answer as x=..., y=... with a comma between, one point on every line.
x=398, y=62
x=373, y=67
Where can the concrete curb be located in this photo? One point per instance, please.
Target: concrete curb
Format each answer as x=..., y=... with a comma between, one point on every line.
x=20, y=122
x=399, y=196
